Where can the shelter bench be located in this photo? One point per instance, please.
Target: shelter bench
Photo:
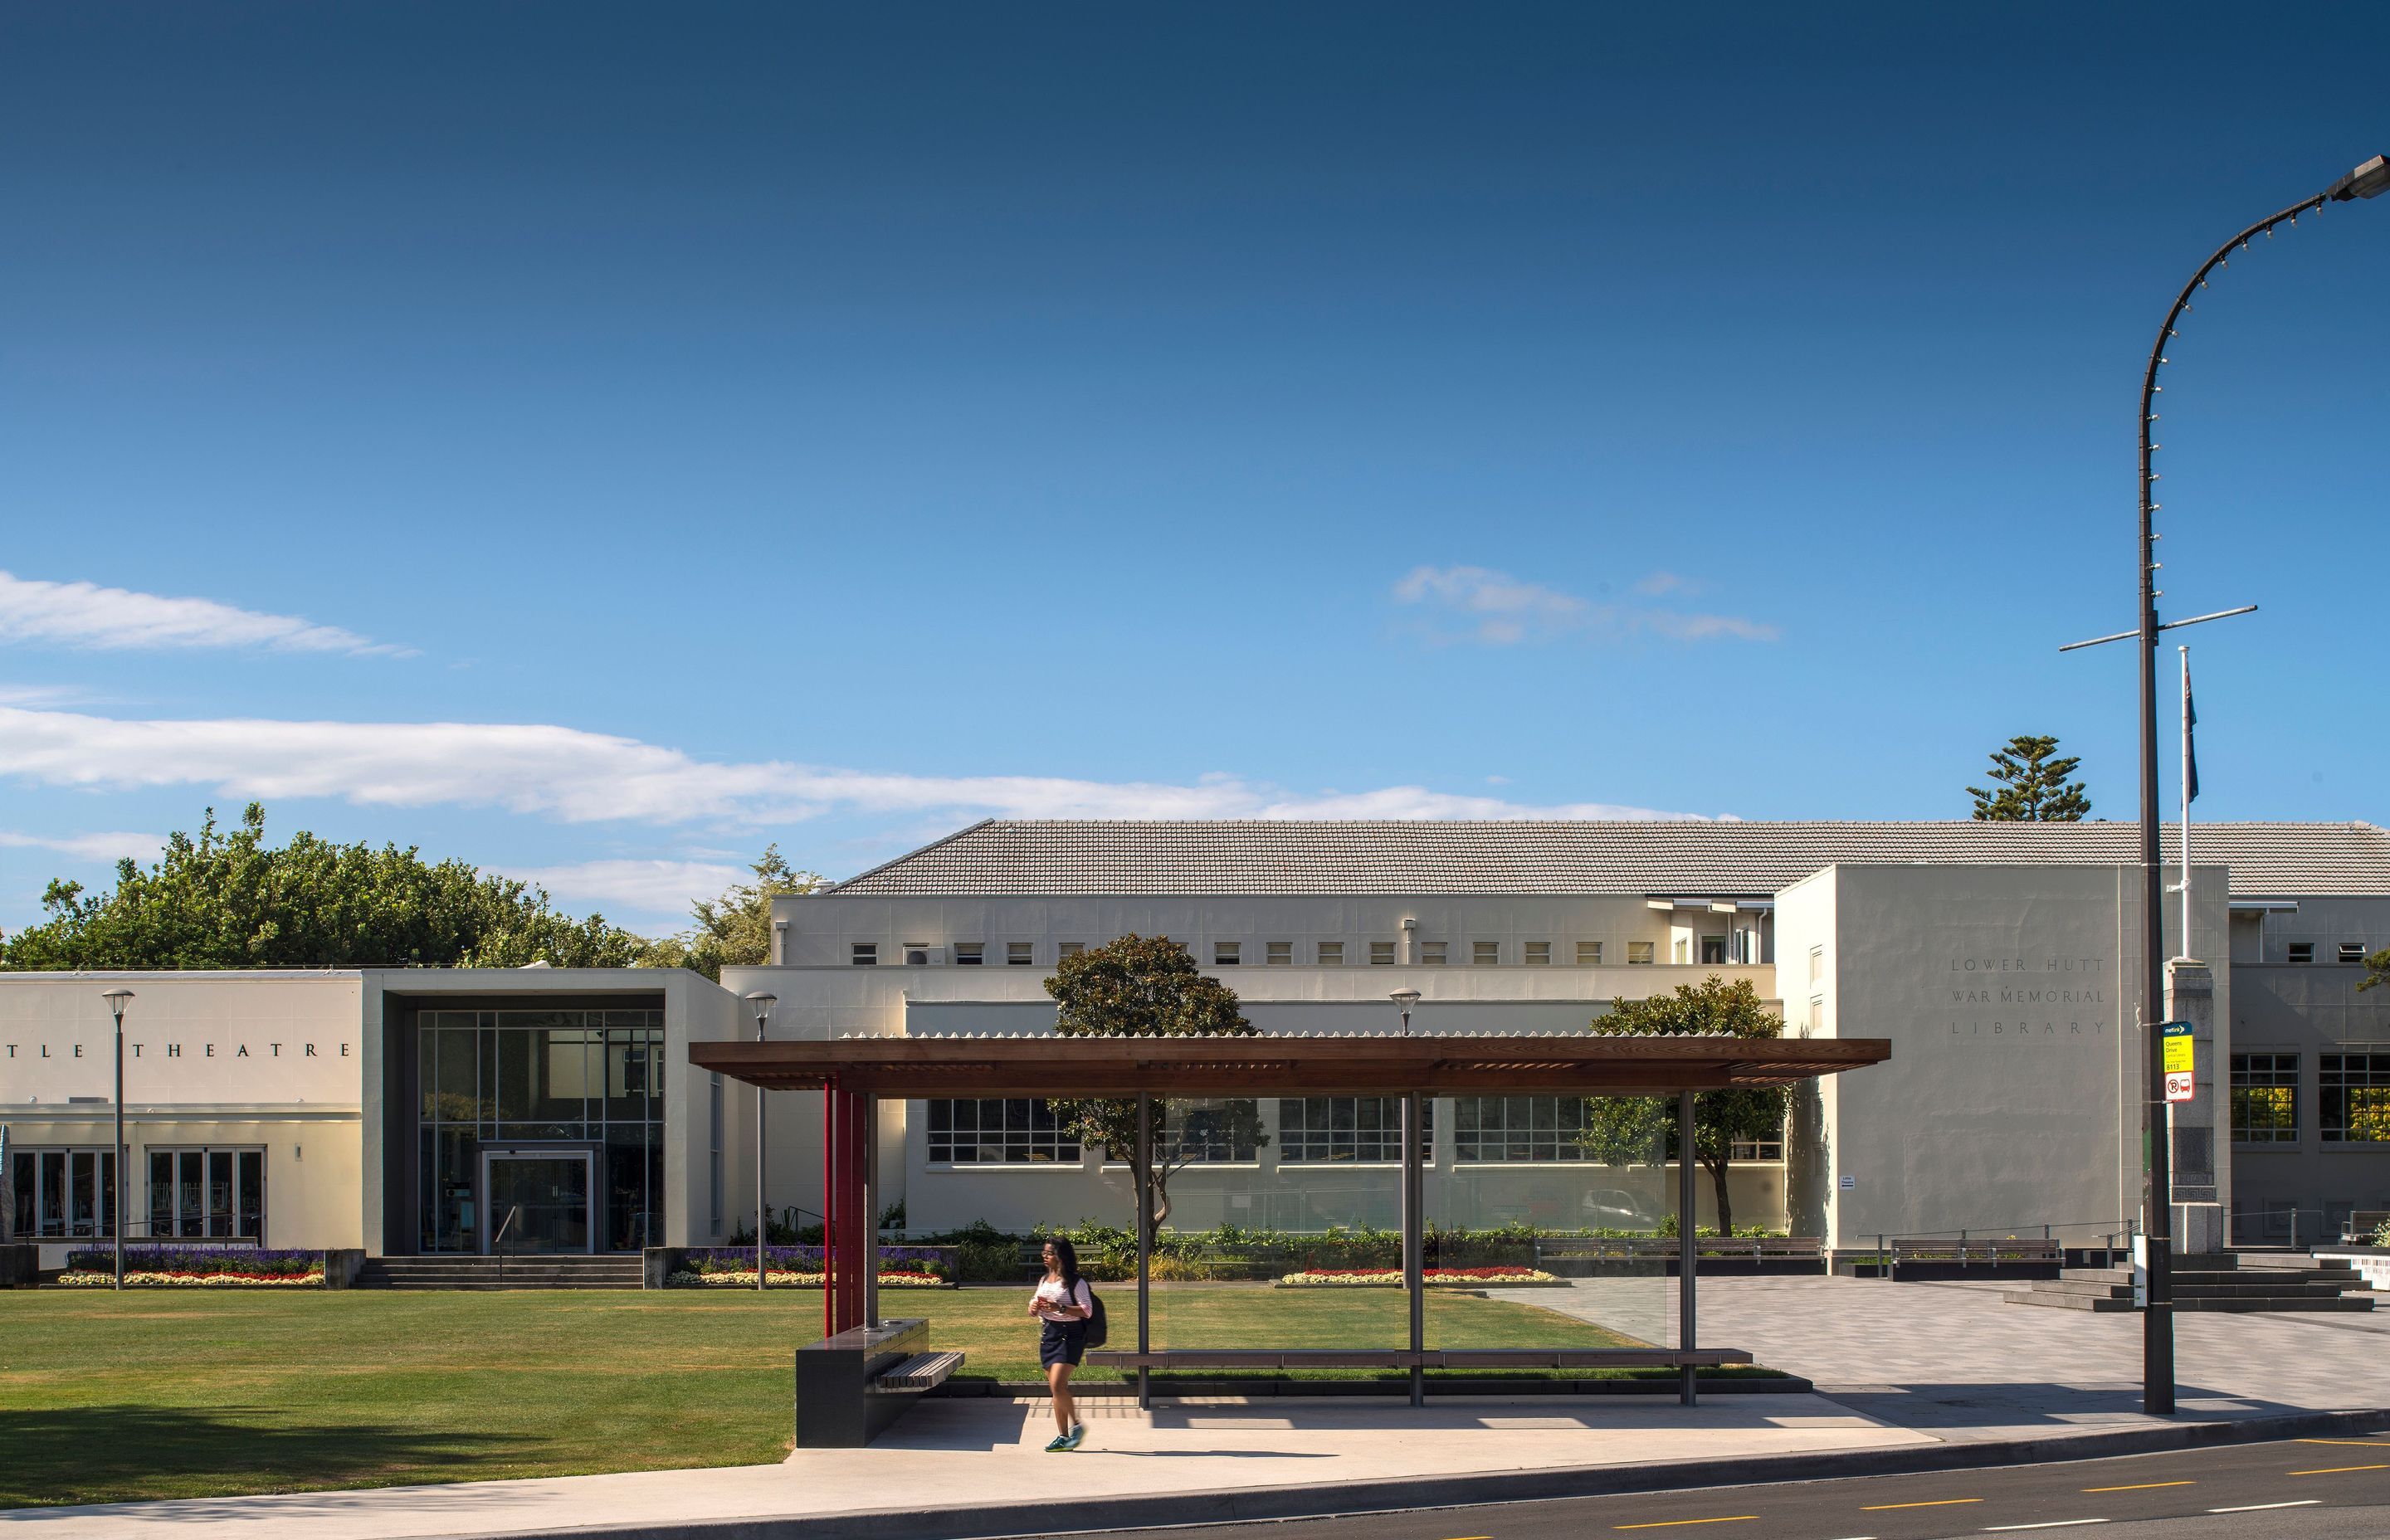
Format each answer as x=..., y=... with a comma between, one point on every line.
x=1400, y=1358
x=852, y=1385
x=1941, y=1251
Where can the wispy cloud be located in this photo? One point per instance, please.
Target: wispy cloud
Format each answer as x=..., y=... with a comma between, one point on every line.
x=110, y=845
x=577, y=777
x=1478, y=604
x=644, y=888
x=116, y=619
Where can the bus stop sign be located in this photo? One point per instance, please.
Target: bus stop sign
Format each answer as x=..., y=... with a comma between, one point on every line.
x=2178, y=1050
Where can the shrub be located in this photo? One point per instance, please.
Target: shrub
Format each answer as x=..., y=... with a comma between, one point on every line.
x=198, y=1261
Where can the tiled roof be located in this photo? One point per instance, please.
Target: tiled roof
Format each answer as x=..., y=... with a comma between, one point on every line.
x=1255, y=857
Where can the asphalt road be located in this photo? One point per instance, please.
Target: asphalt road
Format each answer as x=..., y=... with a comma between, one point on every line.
x=2302, y=1489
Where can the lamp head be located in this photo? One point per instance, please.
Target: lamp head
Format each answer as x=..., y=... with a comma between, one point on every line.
x=116, y=998
x=762, y=1002
x=1406, y=998
x=2370, y=180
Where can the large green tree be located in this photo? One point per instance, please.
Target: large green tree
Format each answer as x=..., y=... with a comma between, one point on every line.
x=228, y=899
x=1149, y=986
x=736, y=928
x=2030, y=787
x=1642, y=1130
x=2377, y=970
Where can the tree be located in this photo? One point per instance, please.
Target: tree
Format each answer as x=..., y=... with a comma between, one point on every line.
x=228, y=899
x=1642, y=1130
x=735, y=930
x=2033, y=787
x=1147, y=986
x=2377, y=970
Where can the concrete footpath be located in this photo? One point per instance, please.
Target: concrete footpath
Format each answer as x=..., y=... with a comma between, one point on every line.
x=1918, y=1376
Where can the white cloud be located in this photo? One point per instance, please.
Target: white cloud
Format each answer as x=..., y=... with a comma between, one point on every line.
x=85, y=615
x=657, y=887
x=1501, y=610
x=579, y=776
x=108, y=846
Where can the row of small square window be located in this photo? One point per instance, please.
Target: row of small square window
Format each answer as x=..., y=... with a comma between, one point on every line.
x=2304, y=951
x=1280, y=953
x=2352, y=1088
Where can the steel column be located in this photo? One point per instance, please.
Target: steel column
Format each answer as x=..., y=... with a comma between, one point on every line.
x=1687, y=1251
x=1144, y=1249
x=1414, y=1243
x=868, y=1121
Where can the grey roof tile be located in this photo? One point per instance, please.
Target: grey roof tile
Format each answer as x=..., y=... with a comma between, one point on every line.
x=1048, y=858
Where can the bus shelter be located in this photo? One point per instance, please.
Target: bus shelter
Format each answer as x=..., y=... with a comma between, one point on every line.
x=854, y=1073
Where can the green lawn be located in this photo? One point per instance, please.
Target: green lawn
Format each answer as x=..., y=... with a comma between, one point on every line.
x=155, y=1393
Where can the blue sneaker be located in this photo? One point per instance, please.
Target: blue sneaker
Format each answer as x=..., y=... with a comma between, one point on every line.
x=1062, y=1444
x=1077, y=1435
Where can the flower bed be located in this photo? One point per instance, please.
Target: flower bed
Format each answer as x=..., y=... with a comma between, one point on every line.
x=196, y=1267
x=744, y=1277
x=806, y=1261
x=1436, y=1277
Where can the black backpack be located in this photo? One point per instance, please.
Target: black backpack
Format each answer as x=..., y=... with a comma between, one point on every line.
x=1096, y=1329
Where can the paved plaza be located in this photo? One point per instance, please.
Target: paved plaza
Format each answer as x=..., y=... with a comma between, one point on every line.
x=1900, y=1368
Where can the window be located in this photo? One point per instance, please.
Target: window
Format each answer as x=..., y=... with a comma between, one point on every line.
x=1278, y=954
x=1381, y=954
x=1331, y=954
x=1227, y=954
x=1485, y=953
x=1538, y=954
x=713, y=1162
x=2353, y=1096
x=864, y=954
x=1817, y=964
x=207, y=1192
x=917, y=953
x=969, y=954
x=1432, y=952
x=997, y=1131
x=1070, y=948
x=1589, y=954
x=1755, y=1149
x=1518, y=1128
x=1680, y=950
x=1638, y=953
x=2352, y=951
x=1713, y=949
x=1312, y=1129
x=2265, y=1098
x=65, y=1194
x=1019, y=954
x=2302, y=951
x=1214, y=1131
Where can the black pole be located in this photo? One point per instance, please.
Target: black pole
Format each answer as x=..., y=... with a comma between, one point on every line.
x=1414, y=1247
x=116, y=1161
x=1144, y=1247
x=1687, y=1253
x=2157, y=1321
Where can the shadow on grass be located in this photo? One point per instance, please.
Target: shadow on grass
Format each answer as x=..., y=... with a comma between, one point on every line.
x=78, y=1454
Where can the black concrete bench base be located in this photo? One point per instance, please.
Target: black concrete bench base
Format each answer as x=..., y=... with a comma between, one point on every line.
x=849, y=1387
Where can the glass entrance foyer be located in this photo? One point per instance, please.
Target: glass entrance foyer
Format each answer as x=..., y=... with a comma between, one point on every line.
x=555, y=1116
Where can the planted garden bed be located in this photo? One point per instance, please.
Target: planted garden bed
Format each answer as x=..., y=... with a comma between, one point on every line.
x=1436, y=1277
x=195, y=1267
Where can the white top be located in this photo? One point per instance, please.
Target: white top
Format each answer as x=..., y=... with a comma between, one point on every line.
x=1051, y=1298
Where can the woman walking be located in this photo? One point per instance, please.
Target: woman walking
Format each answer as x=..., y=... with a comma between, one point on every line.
x=1063, y=1302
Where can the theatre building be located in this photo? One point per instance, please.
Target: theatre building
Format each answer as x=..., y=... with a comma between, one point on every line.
x=417, y=1111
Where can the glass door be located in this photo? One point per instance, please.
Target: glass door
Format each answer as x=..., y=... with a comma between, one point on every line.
x=539, y=1200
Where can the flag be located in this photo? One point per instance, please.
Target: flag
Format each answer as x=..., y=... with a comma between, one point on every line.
x=2189, y=740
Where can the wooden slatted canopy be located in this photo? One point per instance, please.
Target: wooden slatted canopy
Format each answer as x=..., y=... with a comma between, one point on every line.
x=1284, y=1064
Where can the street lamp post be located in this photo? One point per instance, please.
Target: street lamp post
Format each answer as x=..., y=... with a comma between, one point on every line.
x=2157, y=1322
x=1413, y=1210
x=116, y=998
x=760, y=1003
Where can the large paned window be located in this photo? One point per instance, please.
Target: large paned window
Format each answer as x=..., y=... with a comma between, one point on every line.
x=1312, y=1129
x=215, y=1193
x=577, y=1081
x=2352, y=1092
x=64, y=1194
x=997, y=1131
x=2265, y=1098
x=1518, y=1128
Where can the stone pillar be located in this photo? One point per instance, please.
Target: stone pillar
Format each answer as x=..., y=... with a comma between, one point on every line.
x=2198, y=1216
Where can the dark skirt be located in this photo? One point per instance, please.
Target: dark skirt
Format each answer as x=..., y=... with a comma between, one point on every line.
x=1062, y=1342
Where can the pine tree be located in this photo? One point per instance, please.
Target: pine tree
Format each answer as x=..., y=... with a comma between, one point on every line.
x=2033, y=786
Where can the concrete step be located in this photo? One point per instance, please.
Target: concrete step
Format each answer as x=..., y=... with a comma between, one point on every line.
x=2326, y=1303
x=2102, y=1304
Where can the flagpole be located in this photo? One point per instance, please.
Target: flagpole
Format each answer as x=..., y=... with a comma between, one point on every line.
x=2186, y=951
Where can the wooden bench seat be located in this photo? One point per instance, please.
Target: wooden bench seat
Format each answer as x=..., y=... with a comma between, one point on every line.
x=1435, y=1358
x=1972, y=1252
x=920, y=1372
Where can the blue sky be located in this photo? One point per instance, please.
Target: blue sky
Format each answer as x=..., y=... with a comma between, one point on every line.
x=597, y=442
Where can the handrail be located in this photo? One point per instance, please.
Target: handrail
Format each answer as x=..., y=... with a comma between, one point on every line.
x=498, y=1241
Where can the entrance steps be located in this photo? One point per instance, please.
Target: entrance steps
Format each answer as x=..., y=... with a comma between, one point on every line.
x=520, y=1272
x=2226, y=1281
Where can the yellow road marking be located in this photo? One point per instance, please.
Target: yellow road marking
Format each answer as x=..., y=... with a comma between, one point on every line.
x=2340, y=1469
x=1938, y=1502
x=2138, y=1487
x=1671, y=1523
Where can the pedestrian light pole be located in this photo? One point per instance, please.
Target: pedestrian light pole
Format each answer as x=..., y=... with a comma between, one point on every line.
x=760, y=1003
x=2369, y=180
x=116, y=998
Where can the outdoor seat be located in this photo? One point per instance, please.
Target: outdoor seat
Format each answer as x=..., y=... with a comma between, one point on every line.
x=922, y=1371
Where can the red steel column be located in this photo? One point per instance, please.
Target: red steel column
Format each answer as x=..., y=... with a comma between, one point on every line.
x=829, y=1207
x=853, y=1237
